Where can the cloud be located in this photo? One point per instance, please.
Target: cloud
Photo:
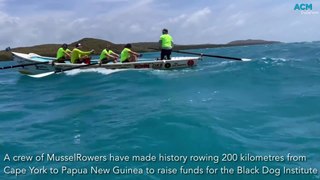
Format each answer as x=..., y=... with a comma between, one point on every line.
x=3, y=2
x=135, y=28
x=238, y=19
x=32, y=22
x=178, y=19
x=197, y=18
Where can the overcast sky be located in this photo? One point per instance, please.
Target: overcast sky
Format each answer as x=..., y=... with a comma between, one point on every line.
x=33, y=22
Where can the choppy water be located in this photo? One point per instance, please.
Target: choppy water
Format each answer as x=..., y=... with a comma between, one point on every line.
x=269, y=106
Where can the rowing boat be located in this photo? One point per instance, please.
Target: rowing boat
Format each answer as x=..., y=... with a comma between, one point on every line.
x=32, y=58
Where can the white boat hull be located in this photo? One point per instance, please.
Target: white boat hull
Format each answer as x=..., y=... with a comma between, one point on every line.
x=174, y=63
x=21, y=58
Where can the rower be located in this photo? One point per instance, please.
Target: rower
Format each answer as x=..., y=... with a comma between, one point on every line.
x=78, y=56
x=166, y=43
x=127, y=55
x=63, y=54
x=107, y=55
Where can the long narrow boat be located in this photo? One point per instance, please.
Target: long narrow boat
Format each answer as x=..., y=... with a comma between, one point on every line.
x=31, y=58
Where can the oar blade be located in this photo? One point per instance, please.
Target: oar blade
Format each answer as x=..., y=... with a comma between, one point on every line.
x=246, y=59
x=41, y=75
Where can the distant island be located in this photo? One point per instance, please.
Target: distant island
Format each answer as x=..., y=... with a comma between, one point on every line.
x=98, y=45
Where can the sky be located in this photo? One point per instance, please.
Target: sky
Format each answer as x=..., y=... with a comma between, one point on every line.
x=34, y=22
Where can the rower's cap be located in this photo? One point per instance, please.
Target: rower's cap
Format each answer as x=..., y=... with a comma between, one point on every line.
x=164, y=30
x=128, y=46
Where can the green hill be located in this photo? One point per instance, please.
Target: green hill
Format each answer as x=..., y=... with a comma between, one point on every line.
x=251, y=42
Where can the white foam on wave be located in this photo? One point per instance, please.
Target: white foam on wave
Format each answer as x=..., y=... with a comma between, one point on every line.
x=219, y=65
x=174, y=73
x=279, y=59
x=274, y=59
x=97, y=70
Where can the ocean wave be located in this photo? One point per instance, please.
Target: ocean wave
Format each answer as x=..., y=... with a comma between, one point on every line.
x=265, y=106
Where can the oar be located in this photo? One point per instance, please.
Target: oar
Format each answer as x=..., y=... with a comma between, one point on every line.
x=23, y=65
x=59, y=71
x=215, y=56
x=209, y=55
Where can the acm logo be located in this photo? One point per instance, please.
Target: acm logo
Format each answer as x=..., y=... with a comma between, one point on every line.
x=303, y=7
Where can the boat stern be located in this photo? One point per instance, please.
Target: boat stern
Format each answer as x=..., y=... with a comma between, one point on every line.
x=21, y=58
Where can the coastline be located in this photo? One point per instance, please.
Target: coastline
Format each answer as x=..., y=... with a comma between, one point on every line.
x=99, y=44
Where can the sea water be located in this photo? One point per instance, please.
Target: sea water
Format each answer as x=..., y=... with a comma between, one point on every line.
x=220, y=120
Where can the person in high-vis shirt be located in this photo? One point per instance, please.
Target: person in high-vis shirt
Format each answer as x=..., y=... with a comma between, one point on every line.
x=127, y=55
x=107, y=55
x=63, y=54
x=166, y=43
x=78, y=56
